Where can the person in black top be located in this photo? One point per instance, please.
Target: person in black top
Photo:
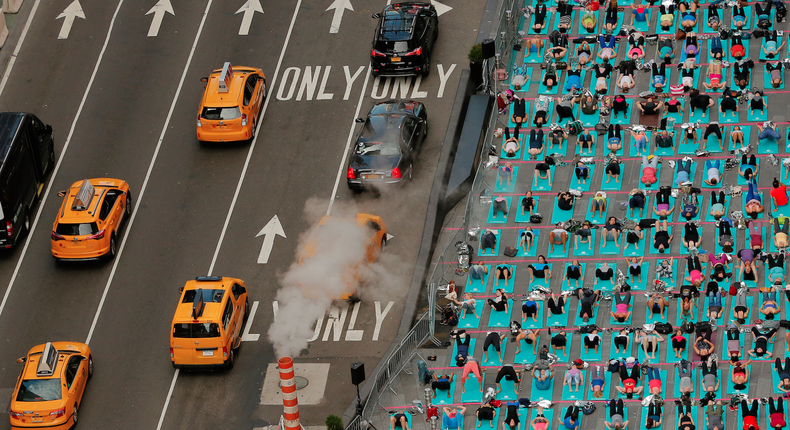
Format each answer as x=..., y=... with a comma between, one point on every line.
x=664, y=139
x=565, y=10
x=728, y=103
x=610, y=22
x=763, y=15
x=565, y=201
x=685, y=418
x=540, y=18
x=712, y=128
x=604, y=273
x=662, y=239
x=713, y=17
x=741, y=73
x=519, y=112
x=602, y=73
x=758, y=102
x=650, y=107
x=613, y=171
x=700, y=101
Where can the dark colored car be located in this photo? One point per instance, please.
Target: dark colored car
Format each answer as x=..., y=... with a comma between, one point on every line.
x=387, y=145
x=404, y=39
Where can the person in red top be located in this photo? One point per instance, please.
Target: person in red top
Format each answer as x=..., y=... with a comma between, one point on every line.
x=630, y=381
x=778, y=194
x=750, y=415
x=776, y=413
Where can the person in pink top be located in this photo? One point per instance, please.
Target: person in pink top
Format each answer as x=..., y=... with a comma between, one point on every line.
x=694, y=268
x=678, y=342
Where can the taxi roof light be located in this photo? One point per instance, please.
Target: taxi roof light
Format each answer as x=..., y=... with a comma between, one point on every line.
x=49, y=359
x=83, y=197
x=198, y=305
x=225, y=78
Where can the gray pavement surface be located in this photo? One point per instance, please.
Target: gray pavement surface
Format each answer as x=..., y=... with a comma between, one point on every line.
x=114, y=129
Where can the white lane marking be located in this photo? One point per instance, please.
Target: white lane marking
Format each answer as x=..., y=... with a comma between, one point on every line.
x=169, y=392
x=350, y=80
x=254, y=141
x=336, y=320
x=249, y=8
x=60, y=160
x=441, y=8
x=148, y=175
x=160, y=8
x=269, y=231
x=340, y=7
x=72, y=12
x=143, y=188
x=247, y=336
x=351, y=334
x=18, y=46
x=443, y=77
x=275, y=310
x=380, y=318
x=340, y=169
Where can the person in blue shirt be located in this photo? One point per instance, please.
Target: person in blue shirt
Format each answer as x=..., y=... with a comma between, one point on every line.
x=571, y=419
x=453, y=417
x=768, y=134
x=543, y=378
x=749, y=166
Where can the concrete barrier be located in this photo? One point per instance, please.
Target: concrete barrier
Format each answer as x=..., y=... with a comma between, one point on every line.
x=11, y=6
x=3, y=29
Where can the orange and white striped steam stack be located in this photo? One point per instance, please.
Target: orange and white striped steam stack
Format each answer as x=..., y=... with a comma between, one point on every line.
x=288, y=386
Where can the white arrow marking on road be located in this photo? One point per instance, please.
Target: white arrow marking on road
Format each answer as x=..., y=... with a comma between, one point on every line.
x=441, y=8
x=340, y=7
x=247, y=336
x=72, y=12
x=249, y=10
x=389, y=237
x=160, y=8
x=273, y=228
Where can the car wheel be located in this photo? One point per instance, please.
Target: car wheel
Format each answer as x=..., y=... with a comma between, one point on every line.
x=427, y=69
x=27, y=224
x=411, y=169
x=230, y=360
x=113, y=248
x=246, y=309
x=128, y=204
x=90, y=366
x=74, y=416
x=383, y=243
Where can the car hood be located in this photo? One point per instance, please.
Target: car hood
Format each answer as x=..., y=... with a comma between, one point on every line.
x=374, y=162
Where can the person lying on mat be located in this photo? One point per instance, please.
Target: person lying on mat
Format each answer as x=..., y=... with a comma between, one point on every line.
x=539, y=16
x=716, y=48
x=739, y=375
x=776, y=269
x=550, y=76
x=565, y=201
x=589, y=20
x=654, y=416
x=622, y=307
x=749, y=167
x=710, y=380
x=737, y=48
x=617, y=419
x=611, y=18
x=704, y=347
x=588, y=300
x=472, y=366
x=621, y=341
x=478, y=271
x=535, y=143
x=534, y=43
x=442, y=382
x=505, y=173
x=666, y=17
x=640, y=142
x=612, y=230
x=452, y=417
x=768, y=134
x=691, y=237
x=649, y=106
x=662, y=240
x=649, y=343
x=769, y=46
x=689, y=206
x=499, y=303
x=632, y=237
x=584, y=52
x=776, y=413
x=526, y=239
x=774, y=70
x=573, y=377
x=726, y=240
x=571, y=419
x=597, y=381
x=503, y=273
x=714, y=21
x=574, y=273
x=399, y=420
x=602, y=74
x=781, y=231
x=666, y=49
x=543, y=378
x=685, y=377
x=679, y=342
x=630, y=381
x=499, y=205
x=634, y=265
x=757, y=103
x=741, y=72
x=656, y=304
x=691, y=47
x=584, y=235
x=700, y=101
x=720, y=266
x=512, y=143
x=754, y=206
x=558, y=135
x=539, y=270
x=615, y=138
x=741, y=309
x=688, y=15
x=558, y=236
x=540, y=422
x=566, y=13
x=488, y=241
x=559, y=342
x=649, y=170
x=738, y=19
x=686, y=418
x=715, y=76
x=509, y=373
x=769, y=308
x=493, y=339
x=784, y=374
x=556, y=304
x=683, y=172
x=485, y=412
x=604, y=273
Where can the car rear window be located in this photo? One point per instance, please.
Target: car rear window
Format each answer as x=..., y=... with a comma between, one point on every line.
x=220, y=113
x=386, y=149
x=39, y=390
x=209, y=296
x=392, y=46
x=77, y=229
x=195, y=330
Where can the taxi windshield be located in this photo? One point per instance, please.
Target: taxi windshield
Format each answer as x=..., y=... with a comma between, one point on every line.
x=39, y=390
x=220, y=113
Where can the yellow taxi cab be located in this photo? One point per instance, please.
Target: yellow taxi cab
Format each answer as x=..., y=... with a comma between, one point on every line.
x=377, y=231
x=89, y=219
x=231, y=104
x=49, y=390
x=207, y=325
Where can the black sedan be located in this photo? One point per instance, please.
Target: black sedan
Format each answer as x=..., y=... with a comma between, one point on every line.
x=404, y=39
x=387, y=145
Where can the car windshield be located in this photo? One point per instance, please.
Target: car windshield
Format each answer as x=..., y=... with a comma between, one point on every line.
x=77, y=229
x=39, y=390
x=220, y=113
x=209, y=296
x=196, y=330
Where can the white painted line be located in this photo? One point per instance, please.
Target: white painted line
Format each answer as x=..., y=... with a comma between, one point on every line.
x=172, y=385
x=380, y=318
x=72, y=12
x=269, y=231
x=342, y=166
x=254, y=140
x=247, y=336
x=160, y=8
x=18, y=46
x=249, y=8
x=60, y=159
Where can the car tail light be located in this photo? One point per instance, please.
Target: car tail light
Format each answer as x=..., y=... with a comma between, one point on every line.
x=351, y=174
x=9, y=228
x=198, y=121
x=57, y=413
x=224, y=351
x=17, y=415
x=396, y=173
x=417, y=51
x=56, y=236
x=99, y=235
x=243, y=119
x=171, y=353
x=375, y=53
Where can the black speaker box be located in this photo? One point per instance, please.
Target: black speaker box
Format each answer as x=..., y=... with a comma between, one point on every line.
x=357, y=373
x=489, y=49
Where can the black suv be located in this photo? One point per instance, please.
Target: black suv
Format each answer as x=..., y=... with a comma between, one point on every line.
x=404, y=39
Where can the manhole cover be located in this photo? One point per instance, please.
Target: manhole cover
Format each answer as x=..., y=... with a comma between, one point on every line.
x=301, y=382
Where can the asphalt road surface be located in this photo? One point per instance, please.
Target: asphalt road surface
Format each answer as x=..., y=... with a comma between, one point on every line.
x=123, y=105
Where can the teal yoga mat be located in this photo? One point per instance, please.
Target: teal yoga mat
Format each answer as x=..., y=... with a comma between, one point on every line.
x=585, y=249
x=559, y=215
x=537, y=394
x=560, y=320
x=477, y=285
x=532, y=251
x=591, y=355
x=706, y=305
x=613, y=185
x=488, y=252
x=527, y=82
x=469, y=321
x=504, y=186
x=536, y=57
x=767, y=80
x=500, y=318
x=525, y=216
x=757, y=115
x=542, y=184
x=442, y=396
x=762, y=198
x=543, y=89
x=500, y=283
x=712, y=143
x=606, y=285
x=579, y=322
x=588, y=120
x=473, y=388
x=508, y=390
x=627, y=322
x=569, y=394
x=584, y=152
x=708, y=216
x=610, y=246
x=526, y=355
x=730, y=58
x=493, y=356
x=677, y=115
x=638, y=214
x=511, y=124
x=623, y=119
x=566, y=282
x=576, y=184
x=564, y=358
x=683, y=355
x=687, y=146
x=501, y=217
x=558, y=252
x=767, y=146
x=747, y=133
x=624, y=353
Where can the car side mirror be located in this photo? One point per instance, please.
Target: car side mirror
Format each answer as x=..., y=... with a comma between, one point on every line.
x=20, y=360
x=49, y=128
x=359, y=120
x=62, y=193
x=243, y=290
x=181, y=290
x=376, y=15
x=204, y=79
